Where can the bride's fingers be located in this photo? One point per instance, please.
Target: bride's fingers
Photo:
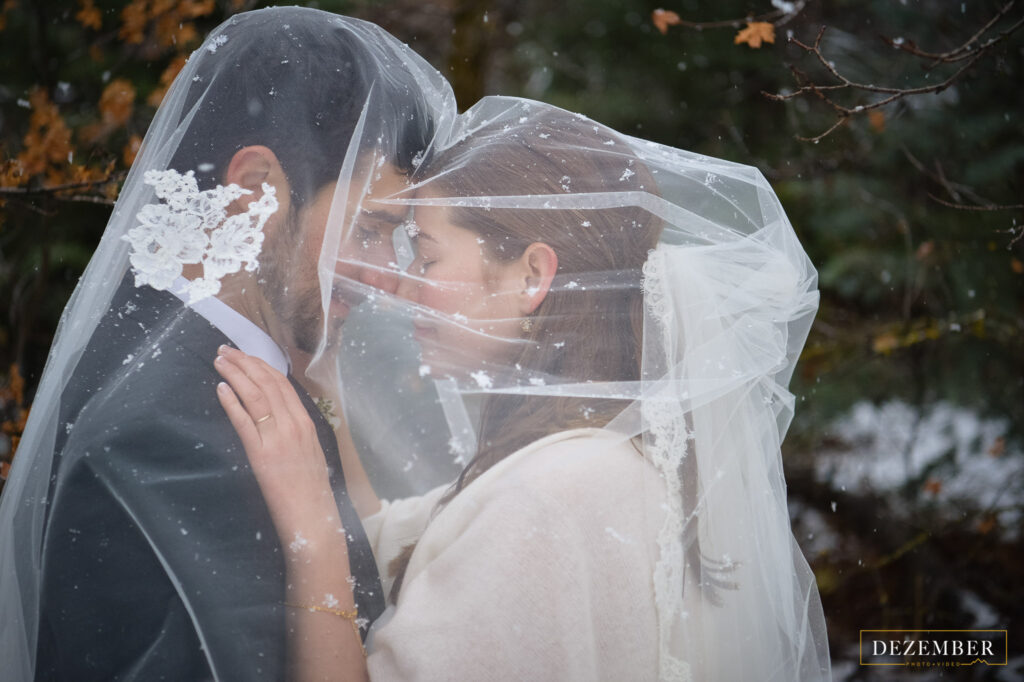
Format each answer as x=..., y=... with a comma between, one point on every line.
x=290, y=397
x=283, y=399
x=254, y=399
x=239, y=418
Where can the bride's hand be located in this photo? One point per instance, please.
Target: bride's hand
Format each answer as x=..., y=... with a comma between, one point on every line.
x=281, y=443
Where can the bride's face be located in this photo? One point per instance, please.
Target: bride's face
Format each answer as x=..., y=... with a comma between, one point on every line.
x=468, y=312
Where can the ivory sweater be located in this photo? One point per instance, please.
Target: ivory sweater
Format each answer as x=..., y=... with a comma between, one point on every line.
x=540, y=569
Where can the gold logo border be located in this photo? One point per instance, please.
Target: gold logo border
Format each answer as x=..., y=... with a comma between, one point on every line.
x=1006, y=647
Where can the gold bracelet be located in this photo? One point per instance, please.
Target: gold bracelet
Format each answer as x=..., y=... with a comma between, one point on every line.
x=350, y=616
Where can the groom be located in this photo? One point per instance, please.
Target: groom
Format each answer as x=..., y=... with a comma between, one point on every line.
x=159, y=559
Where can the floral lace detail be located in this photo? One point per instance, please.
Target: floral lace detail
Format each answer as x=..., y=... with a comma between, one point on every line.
x=669, y=441
x=190, y=227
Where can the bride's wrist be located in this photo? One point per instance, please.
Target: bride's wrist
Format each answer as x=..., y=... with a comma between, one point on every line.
x=308, y=531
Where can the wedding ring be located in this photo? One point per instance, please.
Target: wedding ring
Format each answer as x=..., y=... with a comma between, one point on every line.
x=264, y=418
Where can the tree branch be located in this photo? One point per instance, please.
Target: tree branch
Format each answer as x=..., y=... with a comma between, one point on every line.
x=968, y=52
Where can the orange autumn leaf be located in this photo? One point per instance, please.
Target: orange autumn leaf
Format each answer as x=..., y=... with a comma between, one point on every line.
x=171, y=31
x=986, y=525
x=1017, y=266
x=131, y=150
x=134, y=18
x=933, y=486
x=755, y=33
x=170, y=20
x=886, y=343
x=12, y=174
x=7, y=7
x=48, y=140
x=166, y=78
x=998, y=448
x=89, y=16
x=876, y=119
x=15, y=385
x=117, y=102
x=663, y=18
x=924, y=250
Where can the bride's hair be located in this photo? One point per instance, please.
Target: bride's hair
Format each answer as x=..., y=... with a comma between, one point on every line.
x=590, y=324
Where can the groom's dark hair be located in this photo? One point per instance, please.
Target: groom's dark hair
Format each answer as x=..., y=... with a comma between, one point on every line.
x=297, y=84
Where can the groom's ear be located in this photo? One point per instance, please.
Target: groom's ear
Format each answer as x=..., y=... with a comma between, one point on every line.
x=252, y=166
x=538, y=266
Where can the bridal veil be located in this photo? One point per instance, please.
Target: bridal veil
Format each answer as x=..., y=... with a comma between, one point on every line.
x=674, y=322
x=680, y=304
x=313, y=109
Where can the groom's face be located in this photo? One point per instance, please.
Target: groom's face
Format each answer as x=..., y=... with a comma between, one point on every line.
x=365, y=260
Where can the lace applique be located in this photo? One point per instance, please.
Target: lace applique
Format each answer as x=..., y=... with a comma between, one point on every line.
x=669, y=444
x=190, y=227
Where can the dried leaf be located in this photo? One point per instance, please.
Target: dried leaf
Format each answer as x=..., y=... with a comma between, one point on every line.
x=89, y=15
x=933, y=486
x=117, y=102
x=1017, y=266
x=663, y=18
x=131, y=150
x=166, y=78
x=876, y=118
x=755, y=33
x=7, y=7
x=134, y=18
x=48, y=140
x=987, y=524
x=16, y=385
x=924, y=250
x=998, y=448
x=12, y=174
x=886, y=343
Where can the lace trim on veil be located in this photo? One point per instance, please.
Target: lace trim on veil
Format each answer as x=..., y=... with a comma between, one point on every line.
x=669, y=444
x=189, y=227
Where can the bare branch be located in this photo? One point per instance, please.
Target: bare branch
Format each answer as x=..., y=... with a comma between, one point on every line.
x=968, y=53
x=21, y=195
x=962, y=51
x=55, y=189
x=955, y=189
x=970, y=207
x=778, y=17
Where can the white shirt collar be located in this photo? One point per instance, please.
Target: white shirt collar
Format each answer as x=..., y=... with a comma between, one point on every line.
x=239, y=329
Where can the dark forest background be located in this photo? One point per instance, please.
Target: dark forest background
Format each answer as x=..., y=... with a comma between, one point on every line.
x=904, y=183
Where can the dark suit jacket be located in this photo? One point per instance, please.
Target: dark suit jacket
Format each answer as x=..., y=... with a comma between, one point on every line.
x=159, y=557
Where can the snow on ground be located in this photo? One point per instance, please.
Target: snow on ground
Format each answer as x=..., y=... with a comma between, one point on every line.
x=958, y=459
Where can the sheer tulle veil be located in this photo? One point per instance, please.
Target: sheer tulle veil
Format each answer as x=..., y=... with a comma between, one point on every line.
x=679, y=309
x=667, y=335
x=337, y=101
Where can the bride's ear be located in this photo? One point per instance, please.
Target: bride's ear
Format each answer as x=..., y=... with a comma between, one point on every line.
x=250, y=168
x=538, y=266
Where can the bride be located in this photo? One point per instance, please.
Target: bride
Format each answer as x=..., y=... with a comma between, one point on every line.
x=610, y=326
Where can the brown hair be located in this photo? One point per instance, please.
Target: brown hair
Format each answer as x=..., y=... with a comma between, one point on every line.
x=589, y=327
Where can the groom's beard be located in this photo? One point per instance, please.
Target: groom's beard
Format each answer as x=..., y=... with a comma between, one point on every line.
x=292, y=286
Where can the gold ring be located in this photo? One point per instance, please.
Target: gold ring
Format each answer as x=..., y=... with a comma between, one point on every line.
x=264, y=418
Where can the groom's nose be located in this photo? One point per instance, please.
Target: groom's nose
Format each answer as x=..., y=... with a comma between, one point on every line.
x=408, y=287
x=380, y=276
